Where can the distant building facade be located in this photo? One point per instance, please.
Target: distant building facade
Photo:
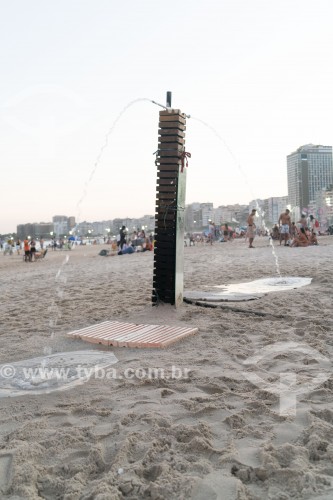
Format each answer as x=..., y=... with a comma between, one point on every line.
x=274, y=206
x=207, y=213
x=62, y=225
x=38, y=230
x=324, y=207
x=309, y=170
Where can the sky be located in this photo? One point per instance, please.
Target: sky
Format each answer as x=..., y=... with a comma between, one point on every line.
x=77, y=126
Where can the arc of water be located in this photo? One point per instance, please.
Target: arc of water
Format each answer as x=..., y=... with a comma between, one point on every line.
x=102, y=149
x=54, y=309
x=247, y=183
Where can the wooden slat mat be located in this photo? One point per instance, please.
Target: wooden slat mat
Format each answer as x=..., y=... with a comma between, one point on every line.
x=120, y=334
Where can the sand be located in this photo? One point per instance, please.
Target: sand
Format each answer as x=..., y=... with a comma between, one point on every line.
x=213, y=434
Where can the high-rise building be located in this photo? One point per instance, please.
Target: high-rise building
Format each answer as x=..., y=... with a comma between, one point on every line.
x=36, y=230
x=324, y=206
x=274, y=206
x=207, y=213
x=60, y=223
x=310, y=170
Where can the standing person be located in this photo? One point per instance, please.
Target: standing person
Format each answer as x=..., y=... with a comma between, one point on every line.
x=303, y=222
x=225, y=232
x=314, y=225
x=293, y=230
x=211, y=232
x=26, y=246
x=251, y=227
x=18, y=247
x=32, y=250
x=122, y=234
x=284, y=225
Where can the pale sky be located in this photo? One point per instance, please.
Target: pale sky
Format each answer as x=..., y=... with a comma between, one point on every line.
x=258, y=72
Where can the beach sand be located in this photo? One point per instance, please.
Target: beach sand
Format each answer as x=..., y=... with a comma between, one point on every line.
x=214, y=434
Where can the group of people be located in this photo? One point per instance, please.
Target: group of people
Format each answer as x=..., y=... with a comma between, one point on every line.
x=137, y=242
x=303, y=235
x=29, y=248
x=31, y=253
x=224, y=233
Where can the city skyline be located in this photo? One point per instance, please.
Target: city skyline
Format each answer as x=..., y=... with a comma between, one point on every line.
x=79, y=128
x=72, y=222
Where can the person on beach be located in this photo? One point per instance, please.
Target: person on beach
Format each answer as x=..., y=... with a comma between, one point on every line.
x=293, y=230
x=301, y=240
x=284, y=225
x=225, y=230
x=122, y=239
x=211, y=232
x=32, y=250
x=314, y=225
x=313, y=238
x=26, y=247
x=303, y=222
x=251, y=227
x=275, y=234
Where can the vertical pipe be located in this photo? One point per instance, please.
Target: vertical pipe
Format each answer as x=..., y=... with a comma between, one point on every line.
x=168, y=99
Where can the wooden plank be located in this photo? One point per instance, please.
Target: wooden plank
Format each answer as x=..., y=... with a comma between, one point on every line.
x=172, y=125
x=168, y=257
x=162, y=229
x=165, y=165
x=167, y=275
x=87, y=332
x=162, y=174
x=166, y=146
x=162, y=189
x=164, y=240
x=165, y=280
x=171, y=131
x=169, y=298
x=168, y=153
x=167, y=208
x=166, y=221
x=164, y=139
x=134, y=335
x=165, y=290
x=163, y=243
x=165, y=228
x=168, y=254
x=172, y=118
x=167, y=182
x=163, y=215
x=167, y=197
x=162, y=232
x=172, y=162
x=164, y=252
x=172, y=111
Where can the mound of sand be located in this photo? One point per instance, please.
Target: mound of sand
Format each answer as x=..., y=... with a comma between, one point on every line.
x=207, y=432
